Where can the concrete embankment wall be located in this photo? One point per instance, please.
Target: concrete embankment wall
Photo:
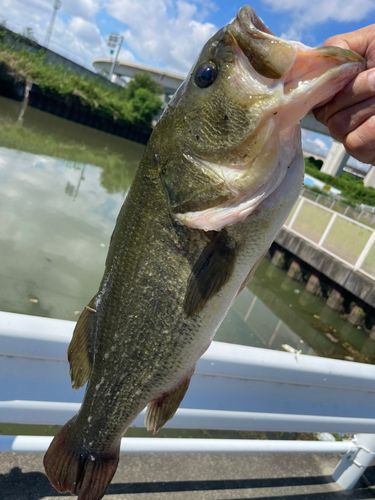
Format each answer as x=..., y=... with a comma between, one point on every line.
x=352, y=281
x=326, y=276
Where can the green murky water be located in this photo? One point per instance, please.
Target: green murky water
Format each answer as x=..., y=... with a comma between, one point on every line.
x=62, y=185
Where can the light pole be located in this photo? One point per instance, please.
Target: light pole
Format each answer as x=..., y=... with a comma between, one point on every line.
x=114, y=40
x=56, y=7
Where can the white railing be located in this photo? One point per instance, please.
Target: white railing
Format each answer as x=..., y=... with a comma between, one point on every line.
x=234, y=388
x=359, y=259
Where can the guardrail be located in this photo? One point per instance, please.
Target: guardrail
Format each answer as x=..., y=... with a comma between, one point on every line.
x=344, y=238
x=233, y=388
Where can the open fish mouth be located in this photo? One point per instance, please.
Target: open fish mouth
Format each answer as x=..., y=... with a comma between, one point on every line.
x=293, y=64
x=281, y=81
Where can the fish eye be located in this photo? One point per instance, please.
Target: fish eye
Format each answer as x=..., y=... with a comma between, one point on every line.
x=205, y=75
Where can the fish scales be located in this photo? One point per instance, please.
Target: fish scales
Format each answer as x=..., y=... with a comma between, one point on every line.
x=141, y=356
x=219, y=176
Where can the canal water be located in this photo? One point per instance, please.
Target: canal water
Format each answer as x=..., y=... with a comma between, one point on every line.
x=62, y=186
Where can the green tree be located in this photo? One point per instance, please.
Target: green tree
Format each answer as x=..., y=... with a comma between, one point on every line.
x=142, y=81
x=144, y=106
x=142, y=94
x=312, y=162
x=351, y=188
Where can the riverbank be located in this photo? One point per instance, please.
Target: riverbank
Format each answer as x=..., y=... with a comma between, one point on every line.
x=344, y=290
x=27, y=76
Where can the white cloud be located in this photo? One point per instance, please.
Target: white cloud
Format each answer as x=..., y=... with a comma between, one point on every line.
x=164, y=33
x=85, y=31
x=86, y=9
x=75, y=34
x=321, y=146
x=161, y=31
x=37, y=13
x=78, y=40
x=126, y=55
x=306, y=12
x=316, y=143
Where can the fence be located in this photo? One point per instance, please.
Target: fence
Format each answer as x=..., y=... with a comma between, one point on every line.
x=344, y=238
x=361, y=213
x=234, y=388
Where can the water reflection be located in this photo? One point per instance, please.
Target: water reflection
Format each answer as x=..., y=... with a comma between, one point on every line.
x=62, y=187
x=78, y=145
x=317, y=325
x=57, y=210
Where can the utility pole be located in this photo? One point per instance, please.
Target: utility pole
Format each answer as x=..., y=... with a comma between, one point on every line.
x=56, y=7
x=115, y=40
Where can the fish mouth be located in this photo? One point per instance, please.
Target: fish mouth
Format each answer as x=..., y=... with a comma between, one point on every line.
x=289, y=79
x=315, y=74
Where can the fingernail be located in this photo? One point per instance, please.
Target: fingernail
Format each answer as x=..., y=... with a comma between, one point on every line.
x=371, y=79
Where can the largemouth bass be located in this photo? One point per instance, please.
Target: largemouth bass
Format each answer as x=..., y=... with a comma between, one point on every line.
x=218, y=178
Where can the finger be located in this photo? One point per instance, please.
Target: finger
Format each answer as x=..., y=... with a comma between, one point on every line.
x=342, y=123
x=361, y=41
x=362, y=87
x=360, y=142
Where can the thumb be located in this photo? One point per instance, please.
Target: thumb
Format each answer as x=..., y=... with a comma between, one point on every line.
x=361, y=41
x=337, y=41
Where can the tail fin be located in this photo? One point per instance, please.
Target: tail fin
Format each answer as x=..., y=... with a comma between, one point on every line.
x=79, y=471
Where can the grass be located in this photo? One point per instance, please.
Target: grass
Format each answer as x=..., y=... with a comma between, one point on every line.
x=111, y=101
x=352, y=189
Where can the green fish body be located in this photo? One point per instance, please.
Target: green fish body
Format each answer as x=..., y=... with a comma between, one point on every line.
x=219, y=176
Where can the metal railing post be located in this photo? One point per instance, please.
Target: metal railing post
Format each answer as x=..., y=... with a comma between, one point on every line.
x=353, y=465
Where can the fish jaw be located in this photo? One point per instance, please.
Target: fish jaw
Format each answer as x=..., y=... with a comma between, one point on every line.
x=316, y=76
x=289, y=79
x=277, y=158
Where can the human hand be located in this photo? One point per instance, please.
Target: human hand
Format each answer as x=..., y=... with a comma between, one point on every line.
x=350, y=114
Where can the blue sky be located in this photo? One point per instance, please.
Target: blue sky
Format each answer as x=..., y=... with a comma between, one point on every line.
x=170, y=33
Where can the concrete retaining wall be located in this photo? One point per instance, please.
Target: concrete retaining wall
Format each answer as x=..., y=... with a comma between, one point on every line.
x=352, y=281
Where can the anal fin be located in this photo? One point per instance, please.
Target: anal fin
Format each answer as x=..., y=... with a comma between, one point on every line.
x=80, y=351
x=161, y=410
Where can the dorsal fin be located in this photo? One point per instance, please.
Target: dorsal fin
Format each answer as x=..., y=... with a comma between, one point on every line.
x=81, y=347
x=212, y=270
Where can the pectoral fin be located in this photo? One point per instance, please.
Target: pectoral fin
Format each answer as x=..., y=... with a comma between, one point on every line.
x=81, y=347
x=212, y=270
x=161, y=410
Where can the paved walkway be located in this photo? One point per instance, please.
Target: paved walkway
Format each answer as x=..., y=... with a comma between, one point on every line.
x=195, y=477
